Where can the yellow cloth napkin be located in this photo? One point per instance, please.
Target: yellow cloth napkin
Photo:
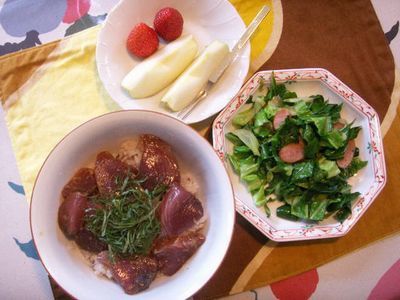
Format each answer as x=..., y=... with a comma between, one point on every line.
x=58, y=97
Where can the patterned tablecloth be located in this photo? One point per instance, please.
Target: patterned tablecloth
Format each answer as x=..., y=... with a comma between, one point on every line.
x=345, y=38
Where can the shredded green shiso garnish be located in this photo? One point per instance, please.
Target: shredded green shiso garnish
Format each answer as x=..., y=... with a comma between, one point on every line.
x=126, y=221
x=310, y=189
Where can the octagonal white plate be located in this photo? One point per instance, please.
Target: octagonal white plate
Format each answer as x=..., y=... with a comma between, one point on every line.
x=206, y=20
x=369, y=181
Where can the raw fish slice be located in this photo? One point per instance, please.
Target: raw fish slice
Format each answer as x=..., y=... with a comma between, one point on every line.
x=110, y=173
x=158, y=164
x=171, y=254
x=134, y=275
x=83, y=181
x=86, y=240
x=179, y=211
x=92, y=207
x=71, y=214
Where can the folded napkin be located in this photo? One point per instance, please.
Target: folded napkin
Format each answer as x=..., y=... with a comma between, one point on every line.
x=61, y=92
x=49, y=90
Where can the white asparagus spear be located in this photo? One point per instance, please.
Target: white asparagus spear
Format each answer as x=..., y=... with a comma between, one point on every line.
x=193, y=79
x=160, y=69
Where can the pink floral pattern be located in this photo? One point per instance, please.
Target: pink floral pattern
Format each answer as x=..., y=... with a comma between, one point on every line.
x=388, y=287
x=298, y=287
x=75, y=10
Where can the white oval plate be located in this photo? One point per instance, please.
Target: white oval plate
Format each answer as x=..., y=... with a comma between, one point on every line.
x=206, y=20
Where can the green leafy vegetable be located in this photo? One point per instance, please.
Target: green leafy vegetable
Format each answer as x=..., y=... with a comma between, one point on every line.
x=234, y=163
x=249, y=139
x=253, y=182
x=126, y=221
x=353, y=132
x=312, y=188
x=302, y=171
x=233, y=139
x=260, y=118
x=317, y=209
x=300, y=207
x=245, y=115
x=329, y=166
x=336, y=139
x=356, y=165
x=285, y=212
x=323, y=124
x=270, y=110
x=248, y=166
x=259, y=197
x=302, y=109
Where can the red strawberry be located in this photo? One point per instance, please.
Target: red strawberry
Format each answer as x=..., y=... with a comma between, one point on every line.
x=142, y=40
x=168, y=23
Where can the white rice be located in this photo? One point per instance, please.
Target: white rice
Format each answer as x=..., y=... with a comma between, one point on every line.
x=101, y=270
x=188, y=183
x=98, y=267
x=129, y=152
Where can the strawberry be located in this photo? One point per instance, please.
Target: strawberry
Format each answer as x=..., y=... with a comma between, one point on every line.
x=168, y=23
x=142, y=40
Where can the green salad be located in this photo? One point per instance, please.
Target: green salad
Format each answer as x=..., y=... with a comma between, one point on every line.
x=297, y=150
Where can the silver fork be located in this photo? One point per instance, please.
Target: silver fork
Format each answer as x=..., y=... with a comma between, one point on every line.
x=184, y=113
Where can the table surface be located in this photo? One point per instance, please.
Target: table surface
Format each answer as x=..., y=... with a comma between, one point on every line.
x=22, y=274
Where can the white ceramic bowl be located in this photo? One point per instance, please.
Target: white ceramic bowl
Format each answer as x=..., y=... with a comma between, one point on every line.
x=206, y=20
x=369, y=181
x=61, y=257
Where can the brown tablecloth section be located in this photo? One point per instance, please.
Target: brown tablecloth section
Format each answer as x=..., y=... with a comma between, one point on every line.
x=346, y=38
x=16, y=68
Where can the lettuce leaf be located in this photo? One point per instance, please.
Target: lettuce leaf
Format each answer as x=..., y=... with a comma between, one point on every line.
x=318, y=209
x=244, y=116
x=249, y=139
x=356, y=165
x=302, y=171
x=329, y=166
x=300, y=207
x=323, y=124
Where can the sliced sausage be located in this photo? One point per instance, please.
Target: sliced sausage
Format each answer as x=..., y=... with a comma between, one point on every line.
x=292, y=153
x=348, y=155
x=71, y=214
x=338, y=125
x=280, y=117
